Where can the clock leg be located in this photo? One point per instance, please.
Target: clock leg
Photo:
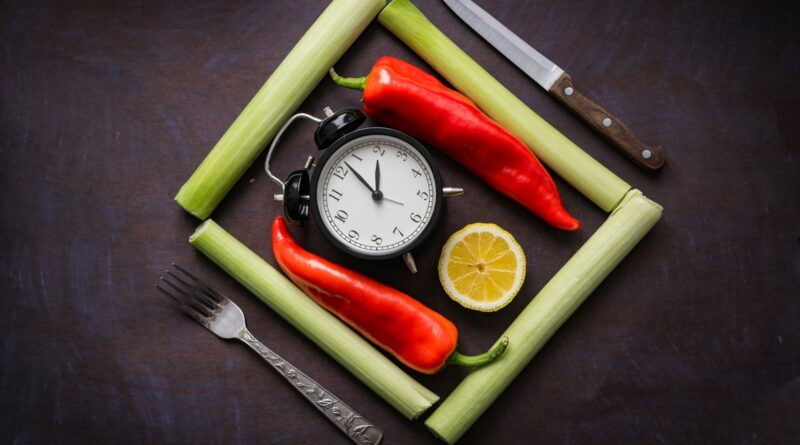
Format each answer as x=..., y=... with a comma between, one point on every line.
x=452, y=191
x=409, y=260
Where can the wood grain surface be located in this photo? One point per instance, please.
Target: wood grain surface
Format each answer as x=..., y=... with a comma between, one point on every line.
x=106, y=108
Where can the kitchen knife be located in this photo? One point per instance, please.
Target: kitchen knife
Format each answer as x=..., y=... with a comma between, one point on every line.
x=558, y=83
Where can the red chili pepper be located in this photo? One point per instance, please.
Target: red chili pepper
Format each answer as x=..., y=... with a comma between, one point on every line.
x=407, y=98
x=417, y=336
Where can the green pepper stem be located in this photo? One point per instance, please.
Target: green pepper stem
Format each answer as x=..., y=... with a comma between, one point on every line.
x=479, y=360
x=355, y=83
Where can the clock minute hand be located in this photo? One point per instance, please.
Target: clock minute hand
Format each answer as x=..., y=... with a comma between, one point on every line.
x=360, y=178
x=377, y=195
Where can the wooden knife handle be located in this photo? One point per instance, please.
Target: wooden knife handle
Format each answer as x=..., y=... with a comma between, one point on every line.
x=608, y=125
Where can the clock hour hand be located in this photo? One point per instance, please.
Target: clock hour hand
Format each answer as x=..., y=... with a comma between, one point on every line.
x=376, y=194
x=377, y=176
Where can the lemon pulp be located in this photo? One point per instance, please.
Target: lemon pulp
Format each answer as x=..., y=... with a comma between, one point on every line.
x=482, y=267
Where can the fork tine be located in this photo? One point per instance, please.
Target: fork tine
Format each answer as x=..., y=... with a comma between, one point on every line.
x=203, y=298
x=205, y=301
x=185, y=272
x=186, y=299
x=199, y=285
x=170, y=294
x=200, y=308
x=200, y=314
x=197, y=294
x=181, y=296
x=190, y=311
x=218, y=297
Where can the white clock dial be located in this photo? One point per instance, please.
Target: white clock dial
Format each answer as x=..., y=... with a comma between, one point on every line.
x=376, y=194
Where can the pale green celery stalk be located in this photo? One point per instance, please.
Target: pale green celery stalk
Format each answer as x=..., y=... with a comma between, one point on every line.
x=334, y=337
x=291, y=83
x=554, y=304
x=587, y=175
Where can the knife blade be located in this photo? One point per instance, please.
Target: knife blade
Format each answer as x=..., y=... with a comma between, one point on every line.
x=557, y=83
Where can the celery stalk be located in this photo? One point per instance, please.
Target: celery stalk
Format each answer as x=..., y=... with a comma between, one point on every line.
x=291, y=83
x=587, y=175
x=334, y=337
x=629, y=222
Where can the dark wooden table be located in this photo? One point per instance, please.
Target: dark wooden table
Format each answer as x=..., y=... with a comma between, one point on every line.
x=107, y=107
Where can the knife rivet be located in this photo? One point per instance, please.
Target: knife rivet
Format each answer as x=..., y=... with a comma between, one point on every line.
x=646, y=154
x=607, y=122
x=568, y=91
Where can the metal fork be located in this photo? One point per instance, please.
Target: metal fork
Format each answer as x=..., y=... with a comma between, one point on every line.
x=223, y=317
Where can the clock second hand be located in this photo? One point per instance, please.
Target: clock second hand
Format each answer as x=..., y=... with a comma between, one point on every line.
x=377, y=195
x=392, y=200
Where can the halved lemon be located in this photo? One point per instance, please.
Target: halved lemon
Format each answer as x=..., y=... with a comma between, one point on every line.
x=482, y=267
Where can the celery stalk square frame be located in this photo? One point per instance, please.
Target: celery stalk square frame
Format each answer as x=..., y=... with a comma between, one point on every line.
x=632, y=214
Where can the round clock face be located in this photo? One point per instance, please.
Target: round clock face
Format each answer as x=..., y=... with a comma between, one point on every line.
x=376, y=193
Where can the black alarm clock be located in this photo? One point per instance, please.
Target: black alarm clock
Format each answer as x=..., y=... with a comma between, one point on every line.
x=375, y=192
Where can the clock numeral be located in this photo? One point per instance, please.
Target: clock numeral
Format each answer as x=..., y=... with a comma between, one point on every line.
x=335, y=194
x=341, y=215
x=356, y=156
x=376, y=239
x=402, y=155
x=397, y=231
x=423, y=195
x=416, y=217
x=340, y=172
x=378, y=149
x=416, y=173
x=353, y=234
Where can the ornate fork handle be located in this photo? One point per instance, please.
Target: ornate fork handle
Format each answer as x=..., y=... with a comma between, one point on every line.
x=357, y=428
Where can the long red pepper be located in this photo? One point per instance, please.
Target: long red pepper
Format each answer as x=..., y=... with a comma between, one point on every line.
x=417, y=336
x=407, y=98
